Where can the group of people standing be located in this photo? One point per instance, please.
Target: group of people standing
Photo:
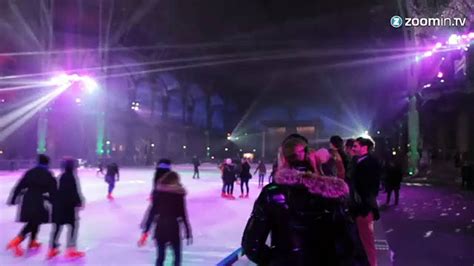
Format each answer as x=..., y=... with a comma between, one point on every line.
x=321, y=207
x=231, y=173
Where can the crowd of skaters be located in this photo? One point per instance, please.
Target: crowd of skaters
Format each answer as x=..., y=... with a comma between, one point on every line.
x=318, y=206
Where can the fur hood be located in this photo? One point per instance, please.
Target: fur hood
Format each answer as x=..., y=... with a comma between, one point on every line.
x=171, y=188
x=324, y=186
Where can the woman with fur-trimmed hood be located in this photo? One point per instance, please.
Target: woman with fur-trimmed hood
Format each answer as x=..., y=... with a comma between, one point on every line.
x=168, y=212
x=305, y=213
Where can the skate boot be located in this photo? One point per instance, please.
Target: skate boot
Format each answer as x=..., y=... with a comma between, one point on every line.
x=52, y=253
x=34, y=244
x=72, y=253
x=14, y=244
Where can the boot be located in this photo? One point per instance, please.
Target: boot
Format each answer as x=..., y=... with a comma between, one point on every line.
x=241, y=196
x=110, y=197
x=34, y=244
x=231, y=197
x=247, y=195
x=15, y=245
x=53, y=252
x=72, y=253
x=142, y=240
x=223, y=195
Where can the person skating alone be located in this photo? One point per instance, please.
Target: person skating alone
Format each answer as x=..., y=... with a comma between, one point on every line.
x=262, y=171
x=196, y=164
x=66, y=205
x=244, y=178
x=394, y=176
x=168, y=211
x=111, y=177
x=36, y=182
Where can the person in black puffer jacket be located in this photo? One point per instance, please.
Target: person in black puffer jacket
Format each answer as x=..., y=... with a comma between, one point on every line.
x=306, y=215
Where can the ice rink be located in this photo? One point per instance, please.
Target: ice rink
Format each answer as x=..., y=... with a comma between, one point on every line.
x=109, y=230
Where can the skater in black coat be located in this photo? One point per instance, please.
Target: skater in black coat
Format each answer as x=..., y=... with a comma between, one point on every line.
x=228, y=179
x=36, y=187
x=111, y=176
x=245, y=176
x=168, y=212
x=66, y=205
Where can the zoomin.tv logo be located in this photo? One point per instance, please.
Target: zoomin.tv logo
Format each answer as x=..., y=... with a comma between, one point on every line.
x=397, y=22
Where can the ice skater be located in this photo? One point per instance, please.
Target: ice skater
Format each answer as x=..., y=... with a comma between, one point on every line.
x=273, y=172
x=228, y=179
x=168, y=212
x=66, y=205
x=100, y=169
x=245, y=176
x=262, y=171
x=36, y=182
x=196, y=165
x=162, y=167
x=111, y=177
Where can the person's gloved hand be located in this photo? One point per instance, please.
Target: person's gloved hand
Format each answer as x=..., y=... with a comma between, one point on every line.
x=142, y=240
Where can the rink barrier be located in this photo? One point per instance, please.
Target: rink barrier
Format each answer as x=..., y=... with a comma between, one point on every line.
x=231, y=259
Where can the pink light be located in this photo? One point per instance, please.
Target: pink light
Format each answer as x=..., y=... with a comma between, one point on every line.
x=440, y=74
x=78, y=100
x=438, y=45
x=442, y=81
x=471, y=35
x=427, y=86
x=428, y=54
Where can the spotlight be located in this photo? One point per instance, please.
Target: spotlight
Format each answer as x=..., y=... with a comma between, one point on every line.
x=428, y=54
x=229, y=137
x=394, y=153
x=2, y=100
x=440, y=74
x=78, y=100
x=254, y=150
x=453, y=39
x=442, y=81
x=184, y=147
x=1, y=152
x=226, y=149
x=471, y=35
x=438, y=45
x=152, y=145
x=89, y=84
x=107, y=142
x=208, y=148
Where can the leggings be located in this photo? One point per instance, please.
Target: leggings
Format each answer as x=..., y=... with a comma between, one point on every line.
x=229, y=188
x=261, y=179
x=242, y=182
x=71, y=237
x=161, y=250
x=111, y=187
x=32, y=228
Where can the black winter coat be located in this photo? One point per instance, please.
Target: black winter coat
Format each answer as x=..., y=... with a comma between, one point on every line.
x=168, y=210
x=36, y=186
x=366, y=181
x=67, y=200
x=245, y=174
x=308, y=220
